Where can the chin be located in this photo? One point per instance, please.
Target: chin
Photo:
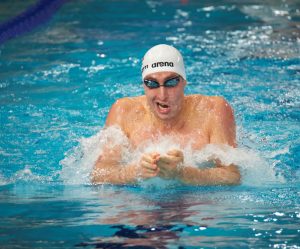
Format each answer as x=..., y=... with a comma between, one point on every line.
x=164, y=117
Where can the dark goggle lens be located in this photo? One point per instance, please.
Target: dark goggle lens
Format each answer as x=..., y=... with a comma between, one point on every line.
x=172, y=82
x=168, y=83
x=151, y=84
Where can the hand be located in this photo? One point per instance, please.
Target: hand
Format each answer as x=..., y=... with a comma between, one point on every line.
x=147, y=167
x=169, y=165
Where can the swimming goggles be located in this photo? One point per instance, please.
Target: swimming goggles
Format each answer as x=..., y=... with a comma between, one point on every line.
x=168, y=83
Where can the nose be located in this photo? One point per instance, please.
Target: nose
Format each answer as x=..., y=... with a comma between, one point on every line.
x=163, y=93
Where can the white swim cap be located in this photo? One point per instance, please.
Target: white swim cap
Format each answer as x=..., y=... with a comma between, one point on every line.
x=162, y=58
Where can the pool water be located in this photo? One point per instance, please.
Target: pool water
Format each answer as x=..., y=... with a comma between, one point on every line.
x=58, y=82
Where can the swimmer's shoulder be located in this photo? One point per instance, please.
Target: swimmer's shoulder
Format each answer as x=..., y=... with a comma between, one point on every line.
x=127, y=103
x=220, y=105
x=130, y=104
x=123, y=108
x=218, y=110
x=209, y=103
x=198, y=102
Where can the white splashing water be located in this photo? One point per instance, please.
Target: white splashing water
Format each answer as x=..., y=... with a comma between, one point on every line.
x=27, y=174
x=78, y=163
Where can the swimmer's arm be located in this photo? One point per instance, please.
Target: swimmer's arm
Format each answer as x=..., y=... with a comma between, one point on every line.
x=222, y=125
x=220, y=175
x=223, y=131
x=172, y=166
x=108, y=169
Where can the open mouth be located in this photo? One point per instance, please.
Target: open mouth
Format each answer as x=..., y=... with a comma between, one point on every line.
x=162, y=108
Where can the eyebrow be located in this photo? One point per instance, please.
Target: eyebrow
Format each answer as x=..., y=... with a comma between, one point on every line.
x=167, y=78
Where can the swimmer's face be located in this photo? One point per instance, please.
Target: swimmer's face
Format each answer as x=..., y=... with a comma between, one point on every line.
x=165, y=102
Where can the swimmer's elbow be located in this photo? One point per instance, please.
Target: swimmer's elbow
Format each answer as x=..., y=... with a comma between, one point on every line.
x=96, y=177
x=112, y=174
x=99, y=172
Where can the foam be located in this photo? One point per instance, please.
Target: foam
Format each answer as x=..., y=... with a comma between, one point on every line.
x=27, y=174
x=78, y=163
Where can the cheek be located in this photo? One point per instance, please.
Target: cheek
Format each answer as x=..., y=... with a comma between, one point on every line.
x=149, y=94
x=149, y=97
x=176, y=94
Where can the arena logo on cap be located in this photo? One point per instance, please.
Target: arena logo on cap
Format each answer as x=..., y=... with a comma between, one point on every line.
x=159, y=64
x=162, y=64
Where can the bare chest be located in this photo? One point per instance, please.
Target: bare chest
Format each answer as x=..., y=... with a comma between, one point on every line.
x=197, y=137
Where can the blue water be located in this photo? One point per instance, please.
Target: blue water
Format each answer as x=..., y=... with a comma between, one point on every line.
x=58, y=82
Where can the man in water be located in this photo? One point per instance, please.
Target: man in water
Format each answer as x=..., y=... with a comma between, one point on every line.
x=164, y=110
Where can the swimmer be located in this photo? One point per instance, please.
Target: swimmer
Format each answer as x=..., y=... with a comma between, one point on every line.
x=195, y=120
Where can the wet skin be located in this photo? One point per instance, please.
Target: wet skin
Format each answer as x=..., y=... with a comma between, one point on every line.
x=194, y=119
